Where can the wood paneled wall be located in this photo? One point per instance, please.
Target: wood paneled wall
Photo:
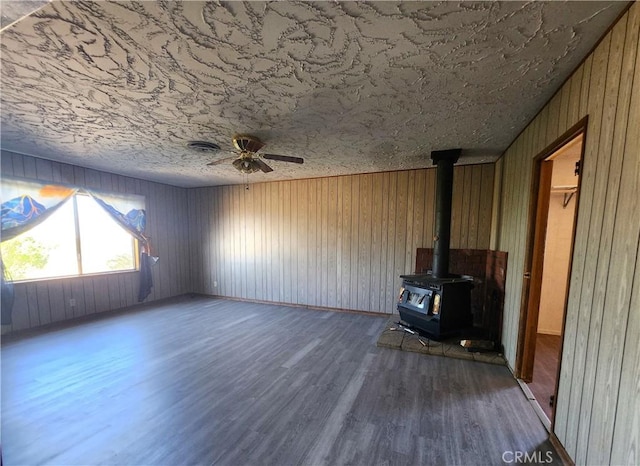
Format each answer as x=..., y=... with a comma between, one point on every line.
x=339, y=242
x=598, y=402
x=45, y=301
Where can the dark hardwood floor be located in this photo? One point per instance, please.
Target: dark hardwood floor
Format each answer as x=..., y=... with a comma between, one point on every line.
x=210, y=381
x=545, y=370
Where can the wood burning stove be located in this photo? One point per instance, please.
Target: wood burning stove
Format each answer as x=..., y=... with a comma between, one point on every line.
x=438, y=307
x=438, y=304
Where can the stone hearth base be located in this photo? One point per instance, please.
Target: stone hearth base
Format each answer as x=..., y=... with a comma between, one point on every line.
x=401, y=340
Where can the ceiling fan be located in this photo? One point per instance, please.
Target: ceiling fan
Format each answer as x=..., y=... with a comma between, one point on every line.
x=249, y=160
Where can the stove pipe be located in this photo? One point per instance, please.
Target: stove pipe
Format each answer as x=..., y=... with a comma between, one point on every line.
x=443, y=160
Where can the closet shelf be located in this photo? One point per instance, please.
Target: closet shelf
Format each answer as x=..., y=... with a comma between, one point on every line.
x=568, y=191
x=564, y=189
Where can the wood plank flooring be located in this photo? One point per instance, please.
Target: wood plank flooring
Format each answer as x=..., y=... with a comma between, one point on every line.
x=210, y=381
x=545, y=370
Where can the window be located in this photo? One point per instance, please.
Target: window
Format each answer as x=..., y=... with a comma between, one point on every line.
x=47, y=250
x=104, y=245
x=77, y=237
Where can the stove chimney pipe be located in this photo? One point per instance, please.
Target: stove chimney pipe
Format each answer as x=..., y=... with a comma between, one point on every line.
x=443, y=160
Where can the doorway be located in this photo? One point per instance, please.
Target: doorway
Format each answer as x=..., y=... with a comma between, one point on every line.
x=547, y=277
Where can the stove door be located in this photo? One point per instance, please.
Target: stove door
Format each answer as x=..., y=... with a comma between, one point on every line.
x=417, y=299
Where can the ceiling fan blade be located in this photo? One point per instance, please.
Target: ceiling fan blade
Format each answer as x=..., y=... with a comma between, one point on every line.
x=218, y=162
x=263, y=166
x=282, y=158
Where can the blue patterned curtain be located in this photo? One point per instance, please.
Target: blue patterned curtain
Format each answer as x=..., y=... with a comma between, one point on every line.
x=26, y=204
x=134, y=221
x=6, y=297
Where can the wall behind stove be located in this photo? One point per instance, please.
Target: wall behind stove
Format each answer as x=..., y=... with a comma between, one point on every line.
x=337, y=242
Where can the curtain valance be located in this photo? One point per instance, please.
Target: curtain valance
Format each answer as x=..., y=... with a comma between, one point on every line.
x=27, y=203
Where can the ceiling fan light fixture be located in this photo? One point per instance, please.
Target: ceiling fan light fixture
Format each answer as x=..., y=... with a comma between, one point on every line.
x=249, y=160
x=245, y=165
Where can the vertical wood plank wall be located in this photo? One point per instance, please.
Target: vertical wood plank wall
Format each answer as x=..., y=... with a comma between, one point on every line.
x=45, y=301
x=339, y=242
x=598, y=402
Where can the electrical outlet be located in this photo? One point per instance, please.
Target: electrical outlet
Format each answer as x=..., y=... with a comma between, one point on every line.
x=215, y=284
x=72, y=302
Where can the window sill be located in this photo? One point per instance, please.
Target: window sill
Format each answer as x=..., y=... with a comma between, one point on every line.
x=73, y=277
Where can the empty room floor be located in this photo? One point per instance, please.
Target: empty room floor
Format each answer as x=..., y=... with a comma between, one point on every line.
x=212, y=381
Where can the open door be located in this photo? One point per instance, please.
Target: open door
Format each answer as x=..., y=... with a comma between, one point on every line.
x=534, y=274
x=553, y=211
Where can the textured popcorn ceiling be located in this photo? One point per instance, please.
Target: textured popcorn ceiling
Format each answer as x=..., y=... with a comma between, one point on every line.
x=351, y=87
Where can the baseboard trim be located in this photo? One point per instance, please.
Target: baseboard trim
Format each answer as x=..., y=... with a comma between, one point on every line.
x=300, y=306
x=562, y=453
x=59, y=324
